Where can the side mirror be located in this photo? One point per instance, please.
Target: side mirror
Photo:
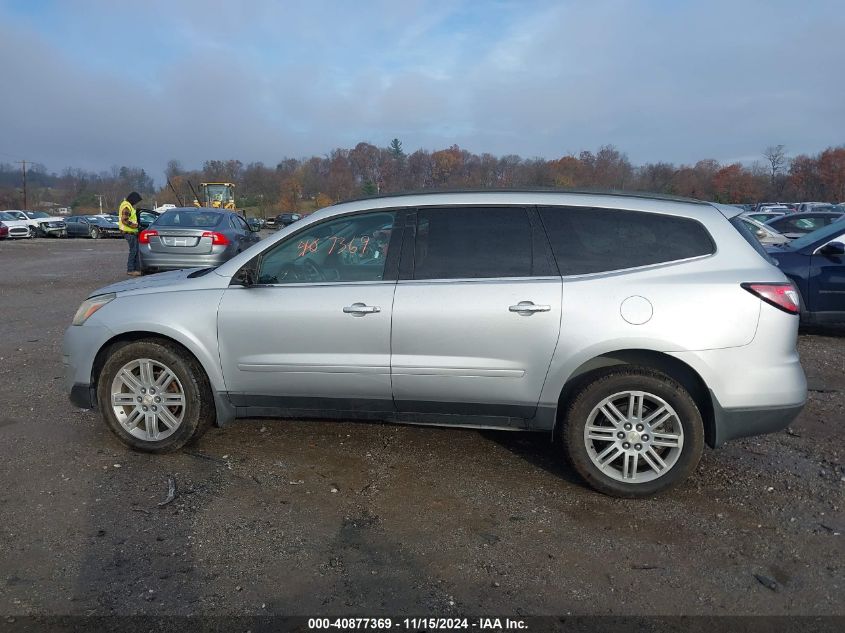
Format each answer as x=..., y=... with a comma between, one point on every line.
x=833, y=248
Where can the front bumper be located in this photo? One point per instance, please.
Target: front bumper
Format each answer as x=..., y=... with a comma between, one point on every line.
x=79, y=350
x=54, y=231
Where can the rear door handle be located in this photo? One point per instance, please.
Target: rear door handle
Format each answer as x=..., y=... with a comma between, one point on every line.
x=360, y=309
x=528, y=307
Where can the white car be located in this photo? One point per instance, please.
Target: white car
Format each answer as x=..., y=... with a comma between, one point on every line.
x=766, y=234
x=41, y=224
x=17, y=228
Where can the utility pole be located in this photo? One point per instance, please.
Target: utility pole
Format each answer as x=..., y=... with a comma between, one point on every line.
x=99, y=197
x=23, y=166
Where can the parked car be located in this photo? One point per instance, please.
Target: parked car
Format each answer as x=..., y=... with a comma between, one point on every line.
x=805, y=207
x=767, y=235
x=190, y=237
x=764, y=216
x=815, y=263
x=760, y=206
x=93, y=226
x=42, y=224
x=511, y=310
x=798, y=224
x=256, y=223
x=146, y=217
x=286, y=219
x=270, y=223
x=17, y=228
x=4, y=231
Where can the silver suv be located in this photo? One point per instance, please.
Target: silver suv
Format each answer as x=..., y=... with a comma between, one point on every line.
x=630, y=329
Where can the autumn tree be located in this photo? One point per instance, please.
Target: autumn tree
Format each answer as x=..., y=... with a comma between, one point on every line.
x=831, y=164
x=733, y=183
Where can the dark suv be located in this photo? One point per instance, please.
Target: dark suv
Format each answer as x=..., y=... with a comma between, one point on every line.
x=286, y=219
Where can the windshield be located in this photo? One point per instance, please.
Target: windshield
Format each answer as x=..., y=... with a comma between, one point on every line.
x=189, y=218
x=824, y=233
x=7, y=216
x=38, y=214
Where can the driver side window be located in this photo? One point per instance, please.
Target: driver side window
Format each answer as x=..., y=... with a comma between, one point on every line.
x=351, y=248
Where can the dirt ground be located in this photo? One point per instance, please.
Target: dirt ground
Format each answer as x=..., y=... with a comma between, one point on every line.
x=295, y=517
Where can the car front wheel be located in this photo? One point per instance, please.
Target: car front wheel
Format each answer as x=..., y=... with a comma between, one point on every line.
x=154, y=396
x=633, y=432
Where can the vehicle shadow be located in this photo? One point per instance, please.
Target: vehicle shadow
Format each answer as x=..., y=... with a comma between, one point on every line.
x=837, y=330
x=537, y=449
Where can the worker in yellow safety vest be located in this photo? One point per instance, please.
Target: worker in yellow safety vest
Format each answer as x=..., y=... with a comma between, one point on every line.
x=128, y=222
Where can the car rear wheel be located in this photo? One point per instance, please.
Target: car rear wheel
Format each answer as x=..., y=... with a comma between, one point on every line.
x=633, y=432
x=154, y=396
x=95, y=233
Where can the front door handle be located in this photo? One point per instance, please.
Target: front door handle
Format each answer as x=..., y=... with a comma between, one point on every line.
x=528, y=307
x=360, y=309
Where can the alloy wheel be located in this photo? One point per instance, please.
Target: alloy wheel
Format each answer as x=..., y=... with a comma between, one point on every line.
x=148, y=399
x=634, y=436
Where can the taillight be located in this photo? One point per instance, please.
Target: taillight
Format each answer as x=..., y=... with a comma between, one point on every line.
x=783, y=296
x=145, y=235
x=217, y=239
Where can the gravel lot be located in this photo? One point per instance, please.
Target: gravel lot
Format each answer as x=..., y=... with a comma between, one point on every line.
x=290, y=517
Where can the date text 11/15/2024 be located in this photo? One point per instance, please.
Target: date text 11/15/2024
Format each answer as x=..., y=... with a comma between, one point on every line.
x=416, y=624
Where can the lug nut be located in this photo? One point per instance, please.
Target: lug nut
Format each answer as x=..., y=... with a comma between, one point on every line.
x=144, y=407
x=158, y=399
x=140, y=399
x=640, y=427
x=645, y=438
x=626, y=445
x=620, y=435
x=152, y=390
x=638, y=446
x=143, y=390
x=627, y=426
x=155, y=408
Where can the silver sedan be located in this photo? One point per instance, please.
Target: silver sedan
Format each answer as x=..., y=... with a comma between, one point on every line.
x=190, y=238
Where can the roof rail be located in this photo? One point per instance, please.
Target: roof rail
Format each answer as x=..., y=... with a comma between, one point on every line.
x=593, y=192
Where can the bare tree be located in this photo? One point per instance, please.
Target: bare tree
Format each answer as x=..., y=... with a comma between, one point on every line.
x=776, y=155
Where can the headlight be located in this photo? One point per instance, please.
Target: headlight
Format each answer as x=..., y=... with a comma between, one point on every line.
x=90, y=306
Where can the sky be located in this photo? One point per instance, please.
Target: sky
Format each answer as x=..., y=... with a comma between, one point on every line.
x=98, y=83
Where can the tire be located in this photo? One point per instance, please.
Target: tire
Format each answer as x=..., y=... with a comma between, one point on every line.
x=34, y=232
x=655, y=453
x=188, y=418
x=95, y=233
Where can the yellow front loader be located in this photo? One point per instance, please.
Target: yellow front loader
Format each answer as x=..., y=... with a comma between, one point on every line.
x=217, y=195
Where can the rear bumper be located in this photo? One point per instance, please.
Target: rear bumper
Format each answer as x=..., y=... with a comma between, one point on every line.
x=729, y=424
x=167, y=261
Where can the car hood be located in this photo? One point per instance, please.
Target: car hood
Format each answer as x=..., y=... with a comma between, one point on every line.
x=173, y=281
x=15, y=223
x=52, y=218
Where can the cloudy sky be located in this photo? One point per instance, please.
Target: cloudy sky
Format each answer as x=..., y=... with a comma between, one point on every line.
x=96, y=83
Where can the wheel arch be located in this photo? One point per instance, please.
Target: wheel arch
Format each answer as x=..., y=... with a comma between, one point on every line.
x=225, y=411
x=669, y=365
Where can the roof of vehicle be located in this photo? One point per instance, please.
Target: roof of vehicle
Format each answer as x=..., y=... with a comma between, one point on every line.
x=814, y=214
x=552, y=197
x=194, y=210
x=539, y=190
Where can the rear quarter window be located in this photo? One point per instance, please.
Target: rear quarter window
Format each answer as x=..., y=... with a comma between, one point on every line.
x=594, y=240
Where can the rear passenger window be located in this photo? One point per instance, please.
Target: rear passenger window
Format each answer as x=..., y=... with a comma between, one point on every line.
x=472, y=243
x=588, y=240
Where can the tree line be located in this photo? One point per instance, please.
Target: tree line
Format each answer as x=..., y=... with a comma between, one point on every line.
x=305, y=183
